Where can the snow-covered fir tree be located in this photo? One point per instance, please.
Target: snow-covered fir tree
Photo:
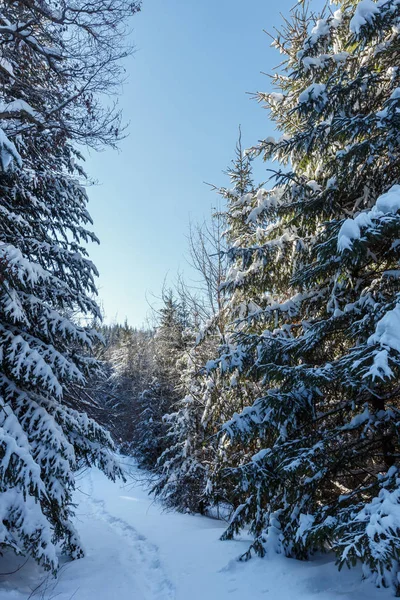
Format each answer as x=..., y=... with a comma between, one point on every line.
x=183, y=465
x=161, y=392
x=319, y=279
x=192, y=465
x=55, y=59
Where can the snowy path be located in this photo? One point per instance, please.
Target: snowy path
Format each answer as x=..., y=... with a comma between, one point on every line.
x=135, y=551
x=136, y=554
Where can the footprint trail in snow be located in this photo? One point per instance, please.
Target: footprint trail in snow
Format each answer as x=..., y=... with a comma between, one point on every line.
x=143, y=554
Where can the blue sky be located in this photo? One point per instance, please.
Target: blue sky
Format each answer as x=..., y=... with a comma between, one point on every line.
x=184, y=100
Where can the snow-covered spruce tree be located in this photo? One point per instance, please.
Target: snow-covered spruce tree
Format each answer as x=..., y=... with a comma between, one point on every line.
x=55, y=59
x=191, y=475
x=322, y=268
x=182, y=468
x=161, y=393
x=230, y=388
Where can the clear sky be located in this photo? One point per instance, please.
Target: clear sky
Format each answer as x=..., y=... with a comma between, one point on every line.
x=184, y=100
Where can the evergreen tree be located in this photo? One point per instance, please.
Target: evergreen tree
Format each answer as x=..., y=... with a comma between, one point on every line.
x=192, y=466
x=183, y=465
x=156, y=401
x=56, y=57
x=319, y=280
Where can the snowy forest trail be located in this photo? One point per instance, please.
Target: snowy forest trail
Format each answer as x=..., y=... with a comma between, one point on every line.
x=137, y=551
x=140, y=555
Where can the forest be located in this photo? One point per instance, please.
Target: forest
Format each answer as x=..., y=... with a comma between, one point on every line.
x=266, y=394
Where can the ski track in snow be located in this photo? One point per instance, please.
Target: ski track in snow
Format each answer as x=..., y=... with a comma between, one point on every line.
x=145, y=553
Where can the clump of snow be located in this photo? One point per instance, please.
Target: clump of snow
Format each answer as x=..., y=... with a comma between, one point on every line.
x=349, y=231
x=260, y=455
x=17, y=106
x=265, y=200
x=315, y=91
x=390, y=201
x=270, y=140
x=387, y=203
x=331, y=183
x=387, y=337
x=380, y=367
x=336, y=18
x=364, y=14
x=8, y=152
x=320, y=29
x=32, y=522
x=392, y=72
x=6, y=66
x=359, y=419
x=314, y=61
x=340, y=57
x=306, y=522
x=387, y=332
x=275, y=98
x=314, y=185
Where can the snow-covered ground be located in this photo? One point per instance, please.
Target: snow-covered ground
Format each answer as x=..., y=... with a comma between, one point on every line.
x=136, y=551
